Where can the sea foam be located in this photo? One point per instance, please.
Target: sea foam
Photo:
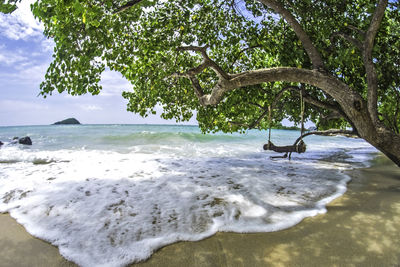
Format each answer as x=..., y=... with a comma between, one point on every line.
x=105, y=207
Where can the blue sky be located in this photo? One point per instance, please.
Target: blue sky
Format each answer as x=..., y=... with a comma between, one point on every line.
x=24, y=57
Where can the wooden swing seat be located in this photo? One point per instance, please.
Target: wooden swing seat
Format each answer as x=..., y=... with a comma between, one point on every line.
x=299, y=148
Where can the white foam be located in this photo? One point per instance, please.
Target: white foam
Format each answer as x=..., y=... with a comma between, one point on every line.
x=104, y=208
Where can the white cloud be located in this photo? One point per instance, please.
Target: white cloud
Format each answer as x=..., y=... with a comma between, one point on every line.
x=20, y=24
x=24, y=57
x=34, y=73
x=113, y=83
x=47, y=45
x=10, y=58
x=90, y=107
x=20, y=105
x=25, y=73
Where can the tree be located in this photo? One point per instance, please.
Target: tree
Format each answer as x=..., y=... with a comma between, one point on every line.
x=231, y=60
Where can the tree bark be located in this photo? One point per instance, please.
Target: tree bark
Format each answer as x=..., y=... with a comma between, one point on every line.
x=372, y=76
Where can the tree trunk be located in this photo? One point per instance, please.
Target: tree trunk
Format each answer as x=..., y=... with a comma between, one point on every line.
x=385, y=141
x=374, y=132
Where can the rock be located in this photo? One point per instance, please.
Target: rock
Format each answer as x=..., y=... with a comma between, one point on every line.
x=68, y=121
x=25, y=141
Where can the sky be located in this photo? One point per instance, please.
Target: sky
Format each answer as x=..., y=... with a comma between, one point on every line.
x=25, y=54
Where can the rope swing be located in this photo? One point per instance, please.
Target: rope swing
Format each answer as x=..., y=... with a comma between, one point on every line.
x=299, y=148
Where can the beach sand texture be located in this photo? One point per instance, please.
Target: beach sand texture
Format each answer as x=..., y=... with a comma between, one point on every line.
x=361, y=228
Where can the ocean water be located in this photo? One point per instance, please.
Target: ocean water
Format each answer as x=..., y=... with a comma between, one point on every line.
x=109, y=195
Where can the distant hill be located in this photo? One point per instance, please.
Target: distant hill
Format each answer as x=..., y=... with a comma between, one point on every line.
x=67, y=121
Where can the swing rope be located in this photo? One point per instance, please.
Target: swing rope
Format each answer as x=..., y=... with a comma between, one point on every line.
x=302, y=117
x=300, y=147
x=302, y=112
x=269, y=124
x=302, y=107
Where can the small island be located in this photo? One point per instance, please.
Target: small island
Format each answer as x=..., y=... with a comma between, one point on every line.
x=67, y=121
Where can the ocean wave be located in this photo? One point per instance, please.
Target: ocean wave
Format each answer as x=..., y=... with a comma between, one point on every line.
x=17, y=154
x=102, y=207
x=167, y=138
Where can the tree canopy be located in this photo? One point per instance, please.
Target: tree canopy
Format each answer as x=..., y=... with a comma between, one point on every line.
x=231, y=60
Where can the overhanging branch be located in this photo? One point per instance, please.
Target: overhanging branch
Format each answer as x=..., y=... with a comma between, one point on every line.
x=372, y=77
x=309, y=99
x=325, y=133
x=354, y=28
x=308, y=45
x=351, y=133
x=192, y=72
x=196, y=86
x=241, y=52
x=259, y=119
x=306, y=97
x=330, y=84
x=207, y=61
x=128, y=5
x=348, y=38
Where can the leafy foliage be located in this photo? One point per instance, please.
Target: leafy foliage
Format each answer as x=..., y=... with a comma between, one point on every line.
x=141, y=43
x=8, y=6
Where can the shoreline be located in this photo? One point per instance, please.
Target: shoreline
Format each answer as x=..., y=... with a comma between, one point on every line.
x=361, y=228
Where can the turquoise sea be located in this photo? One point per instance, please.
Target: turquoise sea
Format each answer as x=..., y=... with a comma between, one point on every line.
x=109, y=195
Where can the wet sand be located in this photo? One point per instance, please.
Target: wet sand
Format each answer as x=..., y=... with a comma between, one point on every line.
x=361, y=228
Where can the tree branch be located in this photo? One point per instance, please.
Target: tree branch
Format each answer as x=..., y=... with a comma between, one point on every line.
x=311, y=100
x=279, y=95
x=331, y=116
x=241, y=52
x=311, y=50
x=197, y=87
x=259, y=119
x=330, y=84
x=207, y=61
x=372, y=77
x=351, y=102
x=348, y=38
x=327, y=133
x=392, y=122
x=128, y=5
x=192, y=72
x=267, y=110
x=201, y=49
x=307, y=98
x=354, y=28
x=396, y=114
x=239, y=124
x=256, y=105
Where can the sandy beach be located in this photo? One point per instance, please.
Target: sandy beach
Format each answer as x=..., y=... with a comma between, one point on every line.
x=361, y=228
